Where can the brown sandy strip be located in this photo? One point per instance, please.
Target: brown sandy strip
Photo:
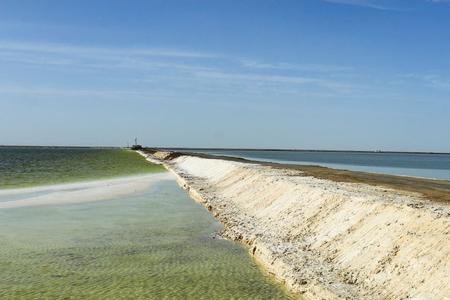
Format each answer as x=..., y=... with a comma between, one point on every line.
x=431, y=189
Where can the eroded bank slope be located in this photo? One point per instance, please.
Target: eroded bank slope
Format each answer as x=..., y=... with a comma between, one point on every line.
x=326, y=239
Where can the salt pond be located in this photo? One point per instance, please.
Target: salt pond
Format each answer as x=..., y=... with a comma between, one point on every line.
x=155, y=243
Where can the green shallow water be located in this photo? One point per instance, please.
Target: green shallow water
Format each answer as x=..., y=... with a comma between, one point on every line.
x=156, y=244
x=30, y=166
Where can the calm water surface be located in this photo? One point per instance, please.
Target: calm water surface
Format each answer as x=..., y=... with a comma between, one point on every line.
x=29, y=166
x=421, y=165
x=155, y=244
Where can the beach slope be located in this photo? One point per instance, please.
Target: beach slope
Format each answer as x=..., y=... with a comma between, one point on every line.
x=325, y=237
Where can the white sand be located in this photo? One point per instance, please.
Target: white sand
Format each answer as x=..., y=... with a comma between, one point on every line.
x=325, y=239
x=81, y=192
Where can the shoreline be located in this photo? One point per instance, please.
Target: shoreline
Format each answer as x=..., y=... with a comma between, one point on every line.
x=346, y=167
x=326, y=233
x=178, y=149
x=79, y=192
x=432, y=189
x=69, y=185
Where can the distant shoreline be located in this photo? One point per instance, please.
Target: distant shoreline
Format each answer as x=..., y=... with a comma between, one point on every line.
x=236, y=149
x=302, y=150
x=50, y=147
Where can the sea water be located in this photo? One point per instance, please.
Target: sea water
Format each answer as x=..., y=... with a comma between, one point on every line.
x=408, y=164
x=31, y=166
x=152, y=244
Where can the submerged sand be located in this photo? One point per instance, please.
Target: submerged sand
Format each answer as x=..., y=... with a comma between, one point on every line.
x=153, y=244
x=326, y=239
x=81, y=192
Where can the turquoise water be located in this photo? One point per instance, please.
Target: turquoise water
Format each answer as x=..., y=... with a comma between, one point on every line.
x=31, y=166
x=410, y=164
x=156, y=244
x=153, y=244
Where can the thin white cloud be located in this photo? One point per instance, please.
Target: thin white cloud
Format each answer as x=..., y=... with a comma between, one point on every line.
x=48, y=91
x=86, y=50
x=27, y=58
x=381, y=4
x=288, y=66
x=101, y=58
x=430, y=80
x=174, y=70
x=63, y=93
x=363, y=3
x=257, y=77
x=290, y=80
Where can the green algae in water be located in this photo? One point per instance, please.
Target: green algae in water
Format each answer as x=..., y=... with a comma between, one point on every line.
x=29, y=166
x=153, y=245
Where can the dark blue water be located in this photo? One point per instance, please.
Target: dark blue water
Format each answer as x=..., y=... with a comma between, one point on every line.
x=410, y=164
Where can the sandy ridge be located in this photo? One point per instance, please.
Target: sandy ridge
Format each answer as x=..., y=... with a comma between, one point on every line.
x=325, y=239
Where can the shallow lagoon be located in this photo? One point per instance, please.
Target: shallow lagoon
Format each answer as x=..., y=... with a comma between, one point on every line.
x=156, y=244
x=34, y=166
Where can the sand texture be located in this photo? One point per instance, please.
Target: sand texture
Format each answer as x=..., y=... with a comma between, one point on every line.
x=326, y=239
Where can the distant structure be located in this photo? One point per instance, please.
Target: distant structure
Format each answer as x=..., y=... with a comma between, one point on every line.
x=136, y=146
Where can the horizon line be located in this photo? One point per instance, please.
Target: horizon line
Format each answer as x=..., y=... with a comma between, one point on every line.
x=235, y=149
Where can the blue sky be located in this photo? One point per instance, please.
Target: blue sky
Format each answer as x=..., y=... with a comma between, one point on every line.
x=335, y=74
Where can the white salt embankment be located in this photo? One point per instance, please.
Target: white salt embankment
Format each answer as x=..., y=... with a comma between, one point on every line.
x=326, y=239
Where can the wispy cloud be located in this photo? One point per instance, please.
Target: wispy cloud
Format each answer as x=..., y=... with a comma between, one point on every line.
x=289, y=66
x=144, y=74
x=171, y=73
x=299, y=81
x=89, y=50
x=363, y=3
x=396, y=5
x=51, y=91
x=101, y=58
x=146, y=59
x=430, y=80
